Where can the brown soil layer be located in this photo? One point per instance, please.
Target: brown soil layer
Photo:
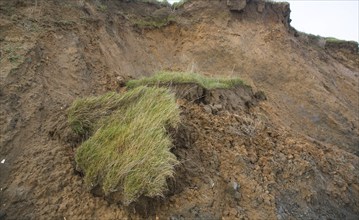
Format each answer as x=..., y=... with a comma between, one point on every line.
x=292, y=156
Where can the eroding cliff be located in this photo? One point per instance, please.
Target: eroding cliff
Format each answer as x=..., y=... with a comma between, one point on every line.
x=292, y=155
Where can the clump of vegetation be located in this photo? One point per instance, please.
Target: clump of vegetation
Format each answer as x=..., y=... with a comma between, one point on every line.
x=160, y=17
x=183, y=77
x=336, y=40
x=13, y=53
x=15, y=58
x=160, y=2
x=179, y=4
x=314, y=37
x=102, y=8
x=318, y=38
x=128, y=150
x=331, y=39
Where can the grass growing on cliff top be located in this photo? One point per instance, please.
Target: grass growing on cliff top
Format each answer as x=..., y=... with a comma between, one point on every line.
x=128, y=150
x=336, y=40
x=184, y=77
x=179, y=4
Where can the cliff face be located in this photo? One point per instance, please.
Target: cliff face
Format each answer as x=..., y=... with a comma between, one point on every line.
x=301, y=161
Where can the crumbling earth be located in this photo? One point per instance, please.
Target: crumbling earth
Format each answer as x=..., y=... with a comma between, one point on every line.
x=289, y=152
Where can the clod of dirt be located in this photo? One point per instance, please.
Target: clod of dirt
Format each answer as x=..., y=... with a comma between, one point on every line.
x=239, y=98
x=237, y=5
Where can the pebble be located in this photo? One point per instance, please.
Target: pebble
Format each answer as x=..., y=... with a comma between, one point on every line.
x=233, y=190
x=218, y=107
x=208, y=109
x=235, y=185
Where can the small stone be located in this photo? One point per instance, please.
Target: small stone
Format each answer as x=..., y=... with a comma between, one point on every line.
x=236, y=5
x=261, y=6
x=267, y=200
x=233, y=212
x=235, y=186
x=233, y=189
x=218, y=107
x=120, y=81
x=214, y=110
x=260, y=96
x=208, y=109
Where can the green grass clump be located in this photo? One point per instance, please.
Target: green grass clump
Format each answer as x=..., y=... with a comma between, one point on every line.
x=129, y=150
x=332, y=39
x=183, y=77
x=87, y=115
x=152, y=23
x=336, y=40
x=179, y=4
x=162, y=3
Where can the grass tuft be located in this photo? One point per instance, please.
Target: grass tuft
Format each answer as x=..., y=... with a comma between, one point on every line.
x=102, y=7
x=177, y=5
x=183, y=77
x=129, y=150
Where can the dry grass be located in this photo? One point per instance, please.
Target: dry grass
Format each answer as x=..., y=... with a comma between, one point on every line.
x=129, y=150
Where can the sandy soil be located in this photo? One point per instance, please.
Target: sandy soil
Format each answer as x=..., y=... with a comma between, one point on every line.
x=293, y=156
